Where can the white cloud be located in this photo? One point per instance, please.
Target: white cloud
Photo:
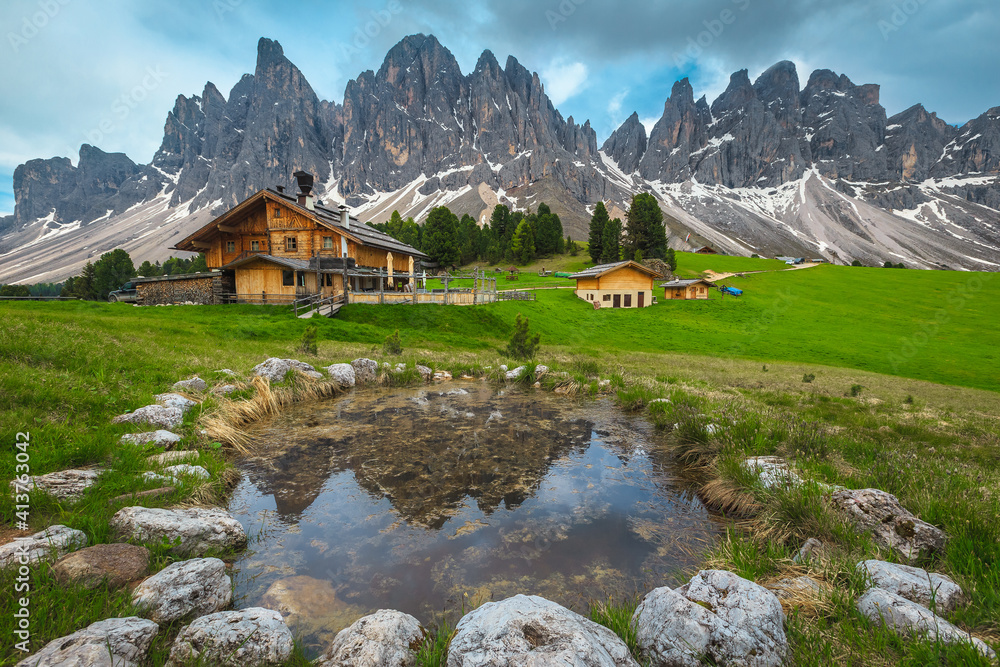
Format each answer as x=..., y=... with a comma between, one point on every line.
x=563, y=80
x=648, y=123
x=615, y=103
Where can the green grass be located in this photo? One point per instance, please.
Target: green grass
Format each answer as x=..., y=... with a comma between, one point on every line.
x=691, y=265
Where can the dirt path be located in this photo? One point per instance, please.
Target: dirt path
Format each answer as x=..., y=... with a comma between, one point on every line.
x=714, y=277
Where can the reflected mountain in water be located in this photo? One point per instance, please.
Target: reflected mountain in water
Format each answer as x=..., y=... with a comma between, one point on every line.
x=413, y=499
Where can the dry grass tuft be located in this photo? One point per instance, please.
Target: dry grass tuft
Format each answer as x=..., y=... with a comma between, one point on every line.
x=226, y=424
x=725, y=496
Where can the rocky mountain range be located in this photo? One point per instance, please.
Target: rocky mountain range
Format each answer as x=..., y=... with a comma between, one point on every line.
x=768, y=167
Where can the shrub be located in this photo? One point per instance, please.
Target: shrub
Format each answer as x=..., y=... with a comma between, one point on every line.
x=857, y=262
x=808, y=377
x=309, y=337
x=522, y=344
x=392, y=344
x=856, y=389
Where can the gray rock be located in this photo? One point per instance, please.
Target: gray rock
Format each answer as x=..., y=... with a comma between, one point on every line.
x=914, y=584
x=275, y=369
x=113, y=642
x=717, y=615
x=913, y=620
x=515, y=373
x=386, y=638
x=425, y=373
x=441, y=376
x=174, y=457
x=158, y=438
x=225, y=389
x=195, y=384
x=156, y=478
x=529, y=630
x=114, y=565
x=541, y=370
x=246, y=638
x=49, y=544
x=503, y=367
x=772, y=472
x=187, y=470
x=812, y=548
x=228, y=371
x=365, y=370
x=342, y=374
x=891, y=525
x=192, y=587
x=157, y=415
x=627, y=144
x=199, y=529
x=62, y=485
x=172, y=400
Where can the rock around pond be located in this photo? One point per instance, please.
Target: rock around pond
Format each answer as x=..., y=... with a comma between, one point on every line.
x=413, y=498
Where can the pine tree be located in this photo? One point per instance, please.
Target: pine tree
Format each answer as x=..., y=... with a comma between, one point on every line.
x=671, y=259
x=596, y=239
x=440, y=237
x=112, y=271
x=522, y=344
x=522, y=246
x=611, y=242
x=644, y=227
x=549, y=238
x=146, y=269
x=499, y=220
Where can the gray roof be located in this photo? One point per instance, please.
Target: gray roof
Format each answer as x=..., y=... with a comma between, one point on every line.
x=601, y=269
x=685, y=283
x=367, y=235
x=294, y=264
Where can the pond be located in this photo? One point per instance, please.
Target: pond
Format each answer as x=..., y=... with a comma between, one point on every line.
x=433, y=499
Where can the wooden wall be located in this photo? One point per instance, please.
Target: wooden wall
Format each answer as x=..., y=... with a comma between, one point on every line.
x=626, y=278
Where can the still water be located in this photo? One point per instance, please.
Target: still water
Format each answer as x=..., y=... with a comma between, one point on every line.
x=425, y=500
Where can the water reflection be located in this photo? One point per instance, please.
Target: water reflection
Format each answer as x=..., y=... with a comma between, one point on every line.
x=414, y=498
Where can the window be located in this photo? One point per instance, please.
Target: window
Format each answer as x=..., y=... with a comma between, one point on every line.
x=287, y=278
x=277, y=212
x=628, y=300
x=230, y=246
x=255, y=246
x=328, y=279
x=291, y=244
x=607, y=297
x=327, y=243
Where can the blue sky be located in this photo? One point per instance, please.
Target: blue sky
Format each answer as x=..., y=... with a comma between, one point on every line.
x=108, y=72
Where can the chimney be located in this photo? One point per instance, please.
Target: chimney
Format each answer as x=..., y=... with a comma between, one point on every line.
x=345, y=216
x=305, y=182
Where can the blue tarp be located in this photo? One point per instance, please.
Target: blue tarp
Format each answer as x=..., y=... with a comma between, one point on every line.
x=733, y=291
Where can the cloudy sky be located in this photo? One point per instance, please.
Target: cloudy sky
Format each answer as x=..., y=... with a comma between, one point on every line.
x=107, y=73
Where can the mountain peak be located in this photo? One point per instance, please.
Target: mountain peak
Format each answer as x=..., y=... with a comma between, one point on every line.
x=268, y=51
x=681, y=94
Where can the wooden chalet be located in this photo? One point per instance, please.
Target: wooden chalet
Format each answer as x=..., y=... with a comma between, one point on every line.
x=625, y=284
x=275, y=248
x=687, y=289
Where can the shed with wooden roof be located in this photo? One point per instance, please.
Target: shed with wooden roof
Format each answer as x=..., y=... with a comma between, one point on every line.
x=697, y=288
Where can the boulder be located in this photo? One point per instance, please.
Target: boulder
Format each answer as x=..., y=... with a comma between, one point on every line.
x=225, y=389
x=771, y=471
x=172, y=400
x=199, y=529
x=717, y=615
x=49, y=544
x=342, y=374
x=914, y=584
x=158, y=438
x=195, y=384
x=275, y=369
x=913, y=620
x=386, y=638
x=529, y=630
x=425, y=373
x=156, y=415
x=541, y=370
x=156, y=478
x=191, y=587
x=228, y=371
x=173, y=457
x=441, y=376
x=515, y=374
x=891, y=525
x=365, y=370
x=812, y=548
x=187, y=470
x=112, y=564
x=62, y=485
x=248, y=638
x=400, y=367
x=113, y=642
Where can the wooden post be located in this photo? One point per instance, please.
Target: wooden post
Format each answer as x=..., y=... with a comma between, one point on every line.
x=475, y=284
x=446, y=278
x=343, y=279
x=381, y=289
